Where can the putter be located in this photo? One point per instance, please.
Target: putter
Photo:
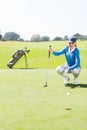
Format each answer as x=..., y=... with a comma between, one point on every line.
x=46, y=84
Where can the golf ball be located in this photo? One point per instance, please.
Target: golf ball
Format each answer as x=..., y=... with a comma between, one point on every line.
x=68, y=94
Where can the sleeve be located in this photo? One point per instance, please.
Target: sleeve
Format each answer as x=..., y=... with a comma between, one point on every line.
x=77, y=60
x=61, y=52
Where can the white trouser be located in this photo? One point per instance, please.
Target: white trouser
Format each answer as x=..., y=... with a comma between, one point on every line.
x=61, y=70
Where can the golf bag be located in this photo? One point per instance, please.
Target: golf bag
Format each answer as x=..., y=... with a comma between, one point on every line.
x=16, y=56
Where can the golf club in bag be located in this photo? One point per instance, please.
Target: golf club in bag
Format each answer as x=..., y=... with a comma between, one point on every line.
x=46, y=84
x=17, y=55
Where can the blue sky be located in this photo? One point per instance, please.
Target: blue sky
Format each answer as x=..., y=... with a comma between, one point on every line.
x=45, y=17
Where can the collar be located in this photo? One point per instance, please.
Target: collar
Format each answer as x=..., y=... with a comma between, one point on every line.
x=71, y=50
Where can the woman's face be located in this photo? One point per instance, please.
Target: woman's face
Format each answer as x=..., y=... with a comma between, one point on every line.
x=72, y=44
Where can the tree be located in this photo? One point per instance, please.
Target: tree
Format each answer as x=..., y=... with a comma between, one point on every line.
x=11, y=36
x=66, y=37
x=35, y=38
x=79, y=36
x=21, y=39
x=44, y=38
x=57, y=39
x=0, y=36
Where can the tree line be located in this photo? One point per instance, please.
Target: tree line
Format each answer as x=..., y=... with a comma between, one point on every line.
x=12, y=36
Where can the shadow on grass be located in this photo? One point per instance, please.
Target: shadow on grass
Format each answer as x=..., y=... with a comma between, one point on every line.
x=22, y=68
x=74, y=86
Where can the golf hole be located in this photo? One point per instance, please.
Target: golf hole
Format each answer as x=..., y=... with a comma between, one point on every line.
x=68, y=109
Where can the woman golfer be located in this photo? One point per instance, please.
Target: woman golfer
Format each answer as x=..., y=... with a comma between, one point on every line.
x=72, y=65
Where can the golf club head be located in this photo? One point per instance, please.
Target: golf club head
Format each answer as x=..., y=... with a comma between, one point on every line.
x=26, y=50
x=45, y=84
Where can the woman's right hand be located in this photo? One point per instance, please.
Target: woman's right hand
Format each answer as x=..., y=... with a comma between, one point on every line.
x=50, y=50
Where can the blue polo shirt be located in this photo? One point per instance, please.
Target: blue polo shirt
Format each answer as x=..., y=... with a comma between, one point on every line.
x=72, y=57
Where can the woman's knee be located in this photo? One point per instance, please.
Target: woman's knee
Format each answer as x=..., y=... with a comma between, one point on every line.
x=76, y=72
x=60, y=70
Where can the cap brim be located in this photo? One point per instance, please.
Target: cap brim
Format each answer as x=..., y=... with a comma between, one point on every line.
x=70, y=41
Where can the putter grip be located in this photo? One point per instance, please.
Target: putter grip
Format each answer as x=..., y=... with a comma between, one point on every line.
x=49, y=52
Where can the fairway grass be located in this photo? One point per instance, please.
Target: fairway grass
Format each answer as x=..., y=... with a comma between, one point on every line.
x=26, y=105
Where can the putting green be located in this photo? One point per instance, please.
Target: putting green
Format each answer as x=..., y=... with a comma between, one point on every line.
x=26, y=105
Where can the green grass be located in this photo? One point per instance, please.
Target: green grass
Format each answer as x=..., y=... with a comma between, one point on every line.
x=26, y=105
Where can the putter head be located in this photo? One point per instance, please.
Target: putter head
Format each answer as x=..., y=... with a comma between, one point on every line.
x=45, y=85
